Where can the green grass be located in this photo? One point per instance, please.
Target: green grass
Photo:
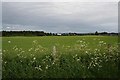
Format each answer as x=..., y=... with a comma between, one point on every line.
x=60, y=57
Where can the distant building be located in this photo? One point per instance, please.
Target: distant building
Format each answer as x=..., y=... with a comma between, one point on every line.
x=59, y=34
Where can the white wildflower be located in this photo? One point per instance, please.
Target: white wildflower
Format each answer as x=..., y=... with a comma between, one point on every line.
x=34, y=58
x=35, y=41
x=47, y=67
x=78, y=59
x=22, y=51
x=86, y=51
x=30, y=49
x=4, y=50
x=9, y=41
x=38, y=68
x=76, y=55
x=5, y=62
x=81, y=41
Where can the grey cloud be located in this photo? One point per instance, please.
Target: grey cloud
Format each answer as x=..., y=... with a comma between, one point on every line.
x=60, y=16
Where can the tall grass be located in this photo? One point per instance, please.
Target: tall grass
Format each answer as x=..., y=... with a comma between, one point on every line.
x=62, y=61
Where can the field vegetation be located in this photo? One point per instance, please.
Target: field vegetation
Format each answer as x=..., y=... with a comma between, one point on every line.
x=60, y=57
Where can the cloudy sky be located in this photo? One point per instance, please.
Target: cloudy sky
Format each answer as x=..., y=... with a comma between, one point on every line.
x=60, y=16
x=60, y=0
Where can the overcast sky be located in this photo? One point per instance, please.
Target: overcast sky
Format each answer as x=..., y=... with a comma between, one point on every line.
x=60, y=16
x=60, y=0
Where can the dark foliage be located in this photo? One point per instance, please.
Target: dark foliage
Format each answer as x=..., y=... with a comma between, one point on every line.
x=42, y=33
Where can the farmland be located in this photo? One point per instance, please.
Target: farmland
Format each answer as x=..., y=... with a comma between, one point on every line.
x=60, y=57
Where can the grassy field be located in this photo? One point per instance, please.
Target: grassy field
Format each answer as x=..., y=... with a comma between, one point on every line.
x=60, y=57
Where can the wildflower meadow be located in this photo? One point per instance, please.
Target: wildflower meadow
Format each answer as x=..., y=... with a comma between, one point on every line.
x=60, y=57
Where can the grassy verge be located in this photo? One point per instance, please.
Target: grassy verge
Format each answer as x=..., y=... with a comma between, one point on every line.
x=78, y=59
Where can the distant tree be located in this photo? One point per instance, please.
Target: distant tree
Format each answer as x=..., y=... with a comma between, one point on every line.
x=104, y=33
x=42, y=33
x=96, y=33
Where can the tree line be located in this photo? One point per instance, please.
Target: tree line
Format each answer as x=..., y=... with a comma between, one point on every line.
x=42, y=33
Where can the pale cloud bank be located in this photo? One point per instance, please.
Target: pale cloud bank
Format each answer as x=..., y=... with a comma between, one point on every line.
x=60, y=16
